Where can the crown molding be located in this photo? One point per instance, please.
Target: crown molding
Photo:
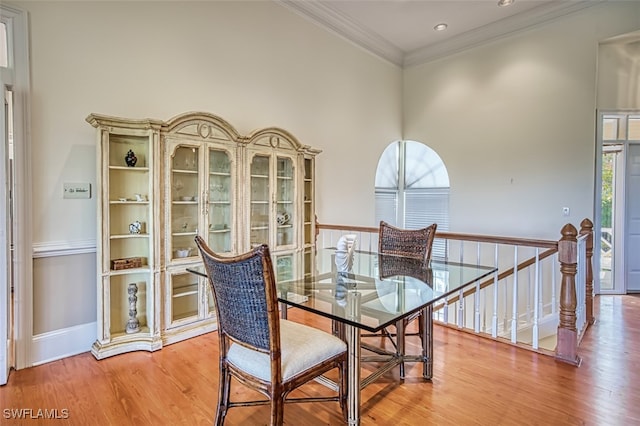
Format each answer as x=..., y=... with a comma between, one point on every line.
x=497, y=30
x=341, y=25
x=337, y=23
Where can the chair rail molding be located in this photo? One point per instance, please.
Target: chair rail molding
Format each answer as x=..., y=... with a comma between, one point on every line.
x=63, y=248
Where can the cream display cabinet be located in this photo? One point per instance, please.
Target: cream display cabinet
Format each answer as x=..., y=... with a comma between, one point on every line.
x=193, y=175
x=127, y=239
x=199, y=198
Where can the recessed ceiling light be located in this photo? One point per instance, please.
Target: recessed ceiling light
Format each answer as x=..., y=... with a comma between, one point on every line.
x=505, y=2
x=440, y=27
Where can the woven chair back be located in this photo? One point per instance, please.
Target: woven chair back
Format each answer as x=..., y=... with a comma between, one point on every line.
x=412, y=243
x=243, y=294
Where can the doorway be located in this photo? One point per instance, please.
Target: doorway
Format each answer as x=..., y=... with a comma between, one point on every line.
x=618, y=218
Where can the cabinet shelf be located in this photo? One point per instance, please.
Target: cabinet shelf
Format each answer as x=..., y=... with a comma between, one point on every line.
x=260, y=176
x=122, y=337
x=143, y=269
x=129, y=202
x=186, y=233
x=185, y=171
x=259, y=202
x=131, y=169
x=186, y=290
x=285, y=177
x=125, y=236
x=225, y=174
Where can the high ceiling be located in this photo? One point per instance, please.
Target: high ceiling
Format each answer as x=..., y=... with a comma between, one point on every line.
x=402, y=31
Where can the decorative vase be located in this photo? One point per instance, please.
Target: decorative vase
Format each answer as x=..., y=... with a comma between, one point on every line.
x=133, y=325
x=131, y=159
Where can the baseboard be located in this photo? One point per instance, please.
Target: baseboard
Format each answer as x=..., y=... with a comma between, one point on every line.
x=58, y=344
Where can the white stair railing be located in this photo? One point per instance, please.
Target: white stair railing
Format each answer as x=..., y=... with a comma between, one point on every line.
x=519, y=304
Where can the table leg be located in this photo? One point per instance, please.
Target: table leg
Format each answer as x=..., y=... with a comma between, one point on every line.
x=427, y=342
x=283, y=310
x=352, y=337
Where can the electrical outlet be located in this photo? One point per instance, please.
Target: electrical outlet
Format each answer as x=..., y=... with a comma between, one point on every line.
x=565, y=211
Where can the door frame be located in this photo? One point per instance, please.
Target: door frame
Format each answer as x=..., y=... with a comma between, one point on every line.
x=17, y=76
x=619, y=264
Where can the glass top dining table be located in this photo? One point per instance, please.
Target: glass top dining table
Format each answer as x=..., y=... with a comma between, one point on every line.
x=376, y=290
x=370, y=292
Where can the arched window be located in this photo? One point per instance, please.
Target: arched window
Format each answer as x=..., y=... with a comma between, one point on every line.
x=412, y=188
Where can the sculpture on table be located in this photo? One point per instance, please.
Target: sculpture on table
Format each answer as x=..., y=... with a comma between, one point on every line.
x=345, y=248
x=344, y=252
x=133, y=326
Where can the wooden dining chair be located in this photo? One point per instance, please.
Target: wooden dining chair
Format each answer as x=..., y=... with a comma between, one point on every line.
x=414, y=245
x=262, y=351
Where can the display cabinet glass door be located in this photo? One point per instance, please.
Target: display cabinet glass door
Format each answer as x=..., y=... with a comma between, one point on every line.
x=260, y=210
x=219, y=207
x=185, y=201
x=272, y=201
x=284, y=266
x=285, y=208
x=309, y=217
x=184, y=297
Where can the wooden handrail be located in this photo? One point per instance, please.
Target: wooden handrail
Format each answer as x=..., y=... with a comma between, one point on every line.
x=527, y=242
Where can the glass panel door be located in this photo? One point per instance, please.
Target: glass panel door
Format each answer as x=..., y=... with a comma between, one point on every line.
x=184, y=296
x=285, y=208
x=259, y=211
x=219, y=207
x=185, y=207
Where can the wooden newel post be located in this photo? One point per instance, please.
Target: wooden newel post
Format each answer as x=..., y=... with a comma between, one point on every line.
x=586, y=227
x=567, y=347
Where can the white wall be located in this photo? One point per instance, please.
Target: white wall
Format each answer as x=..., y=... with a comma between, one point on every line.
x=619, y=73
x=514, y=122
x=255, y=64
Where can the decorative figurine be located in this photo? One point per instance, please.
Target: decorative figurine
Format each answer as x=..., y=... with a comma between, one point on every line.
x=133, y=326
x=135, y=227
x=131, y=159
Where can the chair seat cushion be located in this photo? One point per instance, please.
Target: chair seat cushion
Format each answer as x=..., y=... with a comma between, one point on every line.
x=302, y=347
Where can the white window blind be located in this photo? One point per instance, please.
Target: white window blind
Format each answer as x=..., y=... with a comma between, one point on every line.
x=386, y=206
x=426, y=206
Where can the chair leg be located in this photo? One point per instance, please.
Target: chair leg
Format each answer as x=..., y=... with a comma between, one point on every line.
x=400, y=341
x=342, y=390
x=277, y=409
x=223, y=394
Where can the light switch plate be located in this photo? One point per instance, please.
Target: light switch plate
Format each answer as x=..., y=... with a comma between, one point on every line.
x=77, y=190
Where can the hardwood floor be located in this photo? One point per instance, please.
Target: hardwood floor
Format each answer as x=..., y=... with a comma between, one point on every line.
x=476, y=382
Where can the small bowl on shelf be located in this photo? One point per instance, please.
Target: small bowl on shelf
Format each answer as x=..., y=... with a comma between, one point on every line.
x=186, y=198
x=183, y=252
